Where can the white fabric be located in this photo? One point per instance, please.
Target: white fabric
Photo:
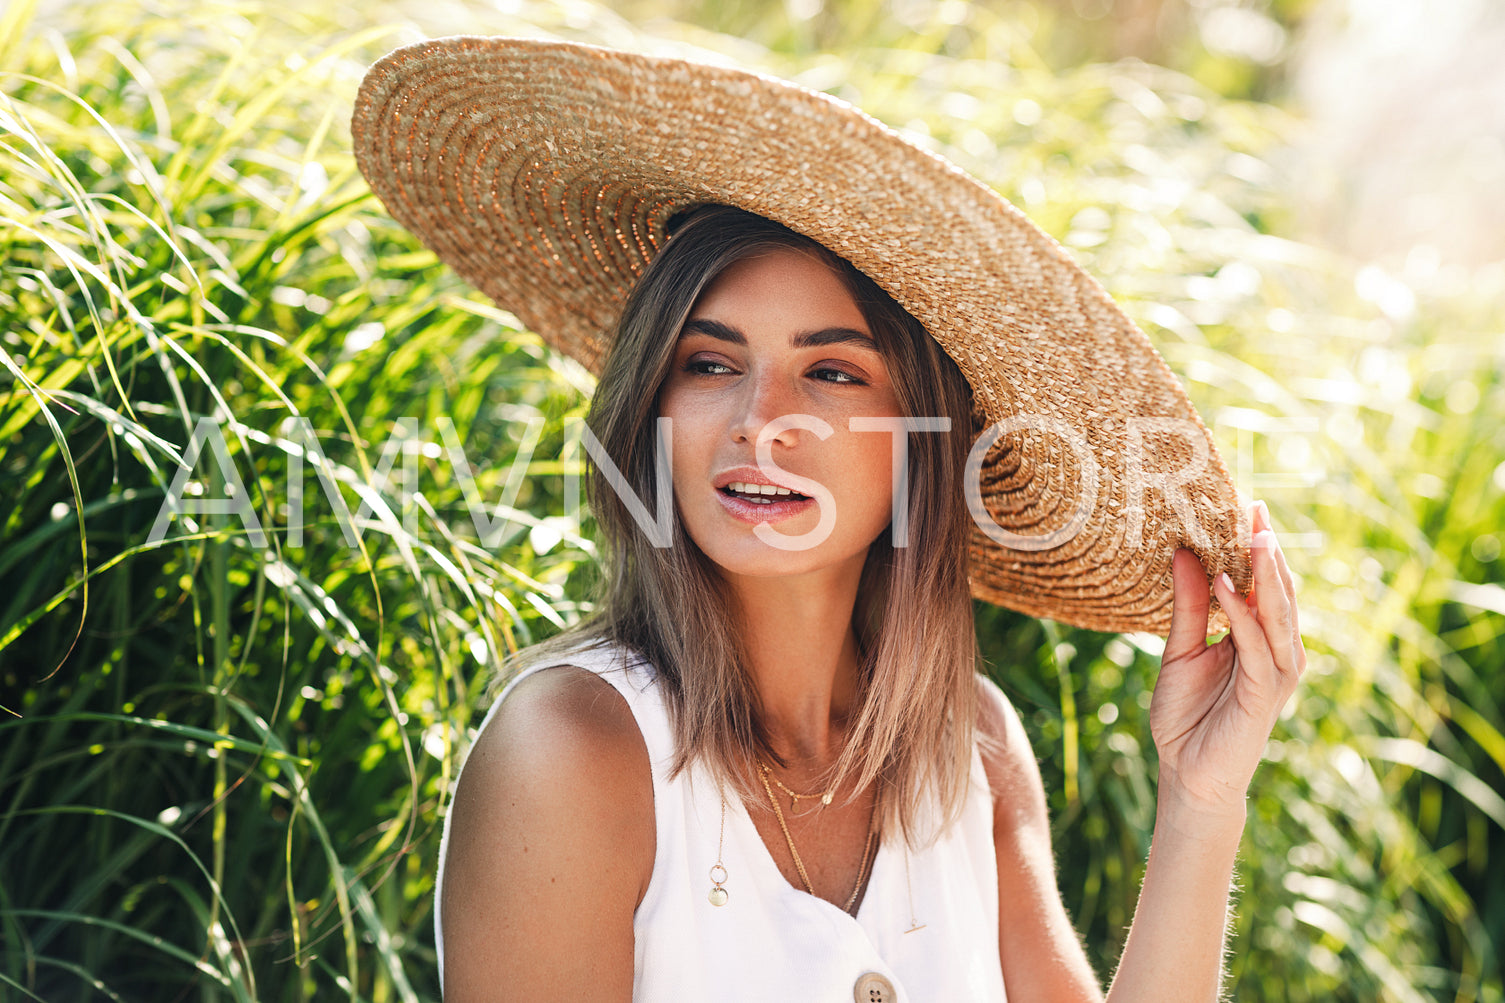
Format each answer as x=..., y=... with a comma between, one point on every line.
x=772, y=941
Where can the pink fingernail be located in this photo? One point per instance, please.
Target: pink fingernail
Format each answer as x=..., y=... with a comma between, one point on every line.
x=1225, y=581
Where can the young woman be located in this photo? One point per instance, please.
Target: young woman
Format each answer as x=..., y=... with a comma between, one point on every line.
x=766, y=767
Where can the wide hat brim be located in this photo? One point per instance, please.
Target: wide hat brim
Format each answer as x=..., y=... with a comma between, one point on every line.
x=545, y=173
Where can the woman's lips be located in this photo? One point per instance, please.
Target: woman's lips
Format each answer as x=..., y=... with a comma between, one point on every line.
x=746, y=507
x=757, y=489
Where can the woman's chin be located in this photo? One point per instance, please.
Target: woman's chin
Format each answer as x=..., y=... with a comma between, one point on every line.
x=755, y=560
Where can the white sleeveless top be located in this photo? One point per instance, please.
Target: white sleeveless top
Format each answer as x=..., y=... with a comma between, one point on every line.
x=772, y=941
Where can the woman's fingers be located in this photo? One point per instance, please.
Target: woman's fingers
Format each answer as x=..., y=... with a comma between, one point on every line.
x=1189, y=604
x=1274, y=608
x=1277, y=656
x=1262, y=521
x=1299, y=655
x=1264, y=628
x=1275, y=596
x=1250, y=638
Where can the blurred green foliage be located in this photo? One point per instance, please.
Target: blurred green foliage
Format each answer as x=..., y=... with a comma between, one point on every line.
x=222, y=766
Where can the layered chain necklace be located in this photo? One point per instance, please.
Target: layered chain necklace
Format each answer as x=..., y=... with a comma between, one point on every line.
x=794, y=798
x=719, y=896
x=766, y=772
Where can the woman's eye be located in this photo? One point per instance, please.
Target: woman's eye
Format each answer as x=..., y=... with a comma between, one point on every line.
x=707, y=367
x=829, y=375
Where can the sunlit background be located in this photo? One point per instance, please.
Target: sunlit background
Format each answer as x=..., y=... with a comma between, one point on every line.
x=222, y=767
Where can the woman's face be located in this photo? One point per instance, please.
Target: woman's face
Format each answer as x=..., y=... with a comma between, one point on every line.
x=774, y=354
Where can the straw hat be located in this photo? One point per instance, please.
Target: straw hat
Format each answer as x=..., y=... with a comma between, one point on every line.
x=544, y=174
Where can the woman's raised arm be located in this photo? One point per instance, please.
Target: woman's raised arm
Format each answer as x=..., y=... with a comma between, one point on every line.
x=551, y=845
x=1213, y=710
x=1214, y=707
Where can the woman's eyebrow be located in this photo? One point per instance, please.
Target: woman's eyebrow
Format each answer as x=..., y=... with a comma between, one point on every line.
x=834, y=336
x=805, y=339
x=714, y=329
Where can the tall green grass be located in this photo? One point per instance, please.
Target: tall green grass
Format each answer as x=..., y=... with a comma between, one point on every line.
x=222, y=762
x=222, y=765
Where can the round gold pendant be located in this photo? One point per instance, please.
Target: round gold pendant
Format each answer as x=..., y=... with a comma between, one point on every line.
x=718, y=896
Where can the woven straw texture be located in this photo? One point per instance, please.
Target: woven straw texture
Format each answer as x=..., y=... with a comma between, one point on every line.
x=544, y=174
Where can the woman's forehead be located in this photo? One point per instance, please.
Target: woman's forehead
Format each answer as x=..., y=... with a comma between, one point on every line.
x=786, y=288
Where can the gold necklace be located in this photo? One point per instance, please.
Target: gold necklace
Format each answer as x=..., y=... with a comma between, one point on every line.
x=718, y=895
x=799, y=865
x=796, y=798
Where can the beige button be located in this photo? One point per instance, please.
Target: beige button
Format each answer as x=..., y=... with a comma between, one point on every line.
x=873, y=988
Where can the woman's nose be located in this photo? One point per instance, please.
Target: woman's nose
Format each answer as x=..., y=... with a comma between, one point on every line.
x=763, y=400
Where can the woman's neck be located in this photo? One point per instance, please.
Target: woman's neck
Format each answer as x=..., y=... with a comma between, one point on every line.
x=803, y=655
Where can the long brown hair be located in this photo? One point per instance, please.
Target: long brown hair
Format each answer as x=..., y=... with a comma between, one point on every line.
x=916, y=700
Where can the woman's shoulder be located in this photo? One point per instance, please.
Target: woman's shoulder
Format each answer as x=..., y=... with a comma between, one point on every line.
x=550, y=839
x=564, y=729
x=560, y=763
x=1007, y=758
x=998, y=724
x=556, y=714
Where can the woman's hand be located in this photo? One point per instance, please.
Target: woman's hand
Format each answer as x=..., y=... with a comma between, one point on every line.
x=1215, y=705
